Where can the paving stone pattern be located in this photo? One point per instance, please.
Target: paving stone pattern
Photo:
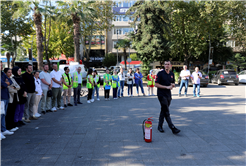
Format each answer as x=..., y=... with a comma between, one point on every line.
x=109, y=133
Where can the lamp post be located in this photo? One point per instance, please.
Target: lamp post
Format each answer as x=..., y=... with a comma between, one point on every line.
x=117, y=48
x=209, y=52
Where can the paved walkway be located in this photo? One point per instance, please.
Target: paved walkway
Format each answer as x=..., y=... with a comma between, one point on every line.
x=109, y=133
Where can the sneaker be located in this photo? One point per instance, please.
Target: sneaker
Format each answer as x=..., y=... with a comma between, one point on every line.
x=92, y=100
x=198, y=96
x=65, y=105
x=175, y=130
x=144, y=94
x=79, y=102
x=7, y=132
x=54, y=109
x=186, y=95
x=179, y=95
x=75, y=104
x=2, y=136
x=148, y=94
x=114, y=98
x=50, y=110
x=131, y=95
x=33, y=118
x=88, y=101
x=118, y=96
x=13, y=130
x=152, y=95
x=27, y=120
x=37, y=115
x=98, y=99
x=106, y=99
x=61, y=108
x=69, y=104
x=43, y=112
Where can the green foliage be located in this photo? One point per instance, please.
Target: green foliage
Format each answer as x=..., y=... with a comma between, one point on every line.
x=123, y=44
x=210, y=74
x=176, y=75
x=238, y=60
x=109, y=60
x=134, y=57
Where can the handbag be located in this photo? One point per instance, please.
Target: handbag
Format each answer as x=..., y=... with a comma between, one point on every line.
x=49, y=93
x=107, y=87
x=2, y=107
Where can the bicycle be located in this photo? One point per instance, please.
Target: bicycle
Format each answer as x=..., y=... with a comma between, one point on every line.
x=84, y=92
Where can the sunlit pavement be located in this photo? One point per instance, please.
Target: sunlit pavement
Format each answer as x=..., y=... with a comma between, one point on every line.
x=110, y=132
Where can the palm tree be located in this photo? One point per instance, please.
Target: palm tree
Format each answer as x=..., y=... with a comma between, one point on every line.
x=75, y=11
x=123, y=44
x=37, y=8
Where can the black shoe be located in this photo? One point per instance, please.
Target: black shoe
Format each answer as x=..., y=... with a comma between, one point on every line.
x=79, y=102
x=49, y=111
x=21, y=122
x=18, y=124
x=175, y=130
x=65, y=105
x=160, y=129
x=43, y=112
x=69, y=104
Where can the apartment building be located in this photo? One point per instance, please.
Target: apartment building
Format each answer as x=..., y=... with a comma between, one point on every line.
x=121, y=28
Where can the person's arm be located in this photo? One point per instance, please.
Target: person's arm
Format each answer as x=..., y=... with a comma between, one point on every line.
x=63, y=81
x=148, y=78
x=200, y=75
x=141, y=76
x=58, y=82
x=163, y=87
x=3, y=83
x=45, y=82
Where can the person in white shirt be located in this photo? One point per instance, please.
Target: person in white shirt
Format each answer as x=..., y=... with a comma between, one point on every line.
x=57, y=80
x=46, y=85
x=130, y=78
x=196, y=77
x=184, y=74
x=39, y=92
x=121, y=75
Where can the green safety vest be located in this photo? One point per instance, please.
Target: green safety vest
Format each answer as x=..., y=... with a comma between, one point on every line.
x=151, y=82
x=66, y=80
x=75, y=79
x=88, y=84
x=97, y=81
x=107, y=77
x=114, y=83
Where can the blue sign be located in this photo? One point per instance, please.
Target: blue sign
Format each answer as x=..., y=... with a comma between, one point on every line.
x=120, y=10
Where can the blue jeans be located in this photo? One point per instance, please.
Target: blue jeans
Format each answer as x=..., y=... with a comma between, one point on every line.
x=140, y=83
x=121, y=89
x=183, y=83
x=198, y=89
x=130, y=89
x=93, y=92
x=3, y=127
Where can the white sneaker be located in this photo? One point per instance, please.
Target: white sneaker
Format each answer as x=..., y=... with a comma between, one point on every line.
x=114, y=98
x=132, y=95
x=2, y=136
x=148, y=94
x=37, y=115
x=53, y=109
x=61, y=108
x=13, y=130
x=106, y=99
x=17, y=128
x=129, y=96
x=88, y=101
x=7, y=132
x=92, y=100
x=98, y=99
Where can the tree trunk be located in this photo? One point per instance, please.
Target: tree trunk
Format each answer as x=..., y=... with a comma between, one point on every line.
x=47, y=45
x=125, y=58
x=76, y=22
x=39, y=38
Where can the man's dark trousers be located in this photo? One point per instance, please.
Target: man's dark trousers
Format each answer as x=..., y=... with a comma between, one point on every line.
x=165, y=103
x=76, y=94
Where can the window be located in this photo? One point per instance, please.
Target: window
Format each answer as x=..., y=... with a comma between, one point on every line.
x=117, y=29
x=114, y=43
x=125, y=4
x=122, y=31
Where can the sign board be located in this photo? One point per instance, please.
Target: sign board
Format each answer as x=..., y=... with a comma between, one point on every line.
x=210, y=61
x=120, y=10
x=129, y=60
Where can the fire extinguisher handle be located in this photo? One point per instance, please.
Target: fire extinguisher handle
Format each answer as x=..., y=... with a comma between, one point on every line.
x=143, y=129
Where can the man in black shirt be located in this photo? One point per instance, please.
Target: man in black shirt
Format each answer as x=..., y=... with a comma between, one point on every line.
x=165, y=82
x=28, y=78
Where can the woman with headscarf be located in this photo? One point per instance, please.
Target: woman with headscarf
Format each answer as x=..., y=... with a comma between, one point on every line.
x=22, y=94
x=151, y=82
x=13, y=99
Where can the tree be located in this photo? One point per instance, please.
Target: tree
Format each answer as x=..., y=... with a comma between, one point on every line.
x=238, y=61
x=109, y=60
x=149, y=41
x=24, y=9
x=14, y=31
x=123, y=44
x=76, y=11
x=134, y=57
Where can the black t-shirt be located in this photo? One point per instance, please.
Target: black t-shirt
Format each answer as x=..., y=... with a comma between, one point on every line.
x=164, y=79
x=29, y=82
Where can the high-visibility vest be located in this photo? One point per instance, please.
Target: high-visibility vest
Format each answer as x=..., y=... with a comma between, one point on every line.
x=97, y=81
x=88, y=84
x=107, y=77
x=152, y=82
x=75, y=79
x=66, y=80
x=114, y=83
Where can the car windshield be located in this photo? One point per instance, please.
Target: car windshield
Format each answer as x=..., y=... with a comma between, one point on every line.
x=229, y=72
x=101, y=71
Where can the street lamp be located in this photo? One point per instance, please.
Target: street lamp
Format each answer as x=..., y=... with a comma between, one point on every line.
x=117, y=47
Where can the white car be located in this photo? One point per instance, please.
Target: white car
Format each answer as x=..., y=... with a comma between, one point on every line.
x=73, y=68
x=242, y=76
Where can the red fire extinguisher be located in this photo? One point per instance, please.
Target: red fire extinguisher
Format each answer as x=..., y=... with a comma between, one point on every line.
x=147, y=129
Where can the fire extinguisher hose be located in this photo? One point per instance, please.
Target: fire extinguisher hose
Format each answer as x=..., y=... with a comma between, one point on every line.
x=143, y=128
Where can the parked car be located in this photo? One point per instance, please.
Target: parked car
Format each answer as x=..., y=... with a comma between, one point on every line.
x=242, y=76
x=225, y=76
x=73, y=68
x=155, y=71
x=203, y=82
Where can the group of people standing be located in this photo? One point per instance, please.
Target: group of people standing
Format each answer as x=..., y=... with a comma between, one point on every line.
x=21, y=94
x=116, y=82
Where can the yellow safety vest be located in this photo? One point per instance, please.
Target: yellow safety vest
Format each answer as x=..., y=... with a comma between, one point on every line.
x=88, y=84
x=114, y=83
x=75, y=79
x=152, y=82
x=97, y=81
x=107, y=77
x=66, y=80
